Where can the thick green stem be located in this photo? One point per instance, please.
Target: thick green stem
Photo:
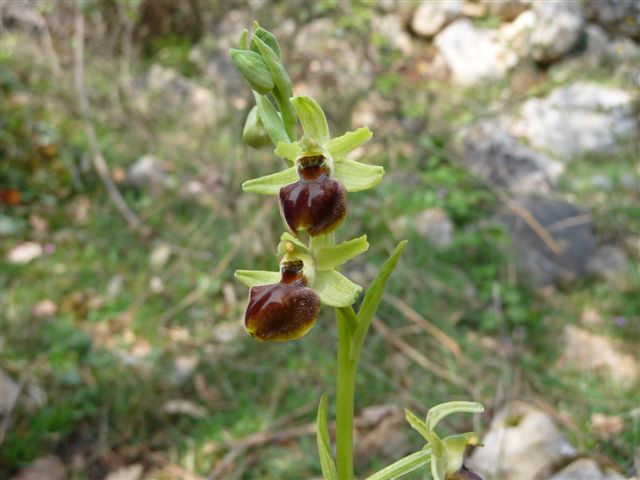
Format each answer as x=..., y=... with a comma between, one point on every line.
x=345, y=400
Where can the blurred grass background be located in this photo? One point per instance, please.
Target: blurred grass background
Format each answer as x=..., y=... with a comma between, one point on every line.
x=128, y=349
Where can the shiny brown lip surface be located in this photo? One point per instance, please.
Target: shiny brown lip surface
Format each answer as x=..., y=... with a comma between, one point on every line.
x=315, y=202
x=285, y=310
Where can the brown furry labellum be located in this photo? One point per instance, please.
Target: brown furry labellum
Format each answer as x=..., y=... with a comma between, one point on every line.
x=282, y=311
x=315, y=202
x=463, y=474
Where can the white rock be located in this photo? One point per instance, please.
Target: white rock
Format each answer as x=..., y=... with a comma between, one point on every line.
x=522, y=443
x=587, y=352
x=609, y=263
x=558, y=28
x=435, y=226
x=473, y=55
x=132, y=472
x=24, y=252
x=576, y=119
x=506, y=9
x=44, y=308
x=585, y=469
x=8, y=393
x=147, y=174
x=44, y=468
x=391, y=28
x=430, y=17
x=160, y=256
x=517, y=34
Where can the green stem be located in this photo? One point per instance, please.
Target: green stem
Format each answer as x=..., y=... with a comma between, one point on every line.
x=345, y=390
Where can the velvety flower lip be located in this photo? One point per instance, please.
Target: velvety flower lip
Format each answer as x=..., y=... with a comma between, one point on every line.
x=282, y=311
x=315, y=203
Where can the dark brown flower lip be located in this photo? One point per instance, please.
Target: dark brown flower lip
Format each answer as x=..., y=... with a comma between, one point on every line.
x=292, y=271
x=313, y=168
x=464, y=473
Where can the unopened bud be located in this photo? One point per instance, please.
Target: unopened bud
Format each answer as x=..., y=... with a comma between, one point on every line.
x=253, y=69
x=254, y=133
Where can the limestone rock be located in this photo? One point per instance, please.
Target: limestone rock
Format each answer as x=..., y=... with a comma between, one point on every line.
x=435, y=226
x=506, y=9
x=522, y=443
x=431, y=17
x=517, y=34
x=496, y=156
x=609, y=263
x=557, y=30
x=538, y=264
x=618, y=16
x=147, y=174
x=390, y=28
x=44, y=468
x=585, y=469
x=576, y=119
x=587, y=352
x=473, y=55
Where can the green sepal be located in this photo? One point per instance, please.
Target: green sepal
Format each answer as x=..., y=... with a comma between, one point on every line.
x=330, y=257
x=437, y=413
x=254, y=133
x=356, y=176
x=334, y=289
x=416, y=423
x=340, y=146
x=300, y=248
x=253, y=69
x=289, y=151
x=272, y=61
x=372, y=300
x=267, y=37
x=314, y=123
x=327, y=463
x=270, y=119
x=252, y=278
x=271, y=184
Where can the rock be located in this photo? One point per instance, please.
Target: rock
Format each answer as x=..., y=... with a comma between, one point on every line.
x=609, y=263
x=184, y=407
x=24, y=252
x=132, y=472
x=9, y=393
x=160, y=256
x=164, y=91
x=390, y=28
x=496, y=156
x=576, y=119
x=431, y=17
x=557, y=30
x=606, y=427
x=147, y=174
x=618, y=16
x=597, y=46
x=44, y=308
x=506, y=9
x=586, y=352
x=435, y=226
x=585, y=469
x=522, y=443
x=473, y=55
x=44, y=468
x=575, y=239
x=10, y=226
x=517, y=34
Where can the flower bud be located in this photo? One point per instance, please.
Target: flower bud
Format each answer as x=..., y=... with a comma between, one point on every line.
x=315, y=202
x=254, y=133
x=253, y=69
x=282, y=311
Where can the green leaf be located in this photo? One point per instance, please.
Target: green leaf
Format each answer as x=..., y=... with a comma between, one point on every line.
x=372, y=300
x=416, y=423
x=267, y=37
x=437, y=413
x=253, y=69
x=271, y=184
x=334, y=289
x=330, y=257
x=314, y=123
x=271, y=120
x=404, y=466
x=348, y=315
x=290, y=151
x=252, y=278
x=340, y=146
x=324, y=446
x=356, y=176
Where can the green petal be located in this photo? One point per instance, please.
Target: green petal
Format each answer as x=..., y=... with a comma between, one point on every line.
x=287, y=237
x=328, y=258
x=270, y=119
x=454, y=447
x=340, y=146
x=334, y=289
x=437, y=413
x=356, y=176
x=271, y=184
x=314, y=123
x=252, y=278
x=290, y=151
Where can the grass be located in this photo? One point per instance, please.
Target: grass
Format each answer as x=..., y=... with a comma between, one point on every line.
x=108, y=362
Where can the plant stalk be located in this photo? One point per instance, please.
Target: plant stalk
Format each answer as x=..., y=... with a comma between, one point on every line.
x=345, y=390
